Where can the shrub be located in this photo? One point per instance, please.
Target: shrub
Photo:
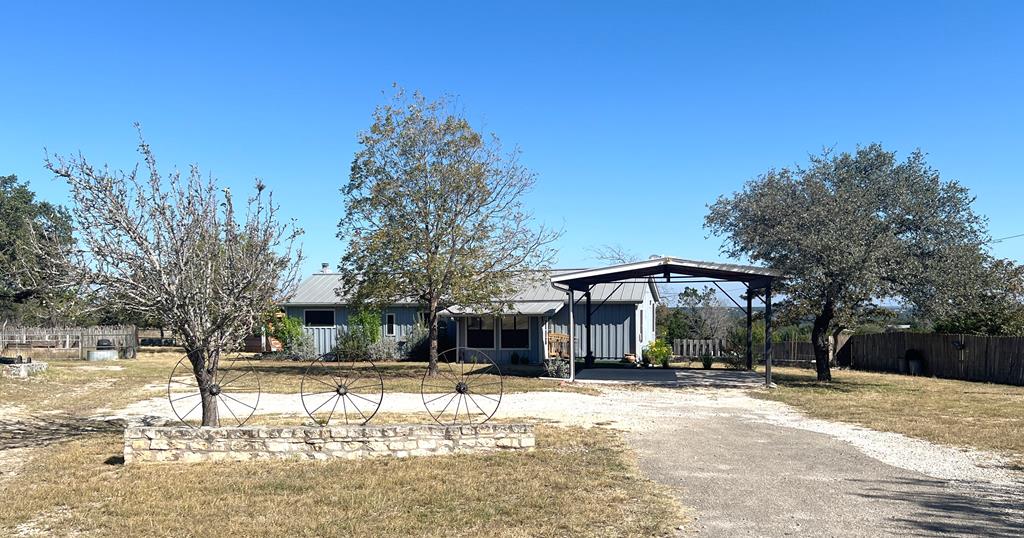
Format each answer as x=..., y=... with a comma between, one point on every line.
x=385, y=349
x=365, y=325
x=301, y=348
x=706, y=361
x=556, y=367
x=287, y=330
x=417, y=347
x=658, y=352
x=736, y=361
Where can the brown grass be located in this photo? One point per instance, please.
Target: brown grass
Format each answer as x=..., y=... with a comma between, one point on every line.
x=78, y=387
x=957, y=413
x=577, y=483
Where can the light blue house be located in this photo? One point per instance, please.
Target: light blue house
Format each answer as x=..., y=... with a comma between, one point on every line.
x=622, y=318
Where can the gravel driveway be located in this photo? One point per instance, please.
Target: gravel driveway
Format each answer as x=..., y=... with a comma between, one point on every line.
x=752, y=467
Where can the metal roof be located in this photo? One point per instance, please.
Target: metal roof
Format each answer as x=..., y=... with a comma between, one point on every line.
x=664, y=267
x=319, y=289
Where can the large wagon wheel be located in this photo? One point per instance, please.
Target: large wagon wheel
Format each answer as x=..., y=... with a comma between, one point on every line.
x=346, y=391
x=466, y=390
x=236, y=387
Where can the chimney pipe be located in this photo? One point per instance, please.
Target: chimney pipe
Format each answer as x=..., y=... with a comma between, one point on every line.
x=325, y=267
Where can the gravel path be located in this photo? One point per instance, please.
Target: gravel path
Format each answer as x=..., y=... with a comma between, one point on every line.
x=759, y=468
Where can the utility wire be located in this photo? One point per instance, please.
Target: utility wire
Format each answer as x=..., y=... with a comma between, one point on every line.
x=1001, y=239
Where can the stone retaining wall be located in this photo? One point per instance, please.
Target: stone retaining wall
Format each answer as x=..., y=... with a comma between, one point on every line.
x=22, y=370
x=183, y=444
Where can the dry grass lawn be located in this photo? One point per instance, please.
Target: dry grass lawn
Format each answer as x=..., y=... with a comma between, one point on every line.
x=71, y=481
x=80, y=488
x=957, y=413
x=76, y=387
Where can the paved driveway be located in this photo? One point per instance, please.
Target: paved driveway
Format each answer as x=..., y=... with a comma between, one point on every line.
x=753, y=478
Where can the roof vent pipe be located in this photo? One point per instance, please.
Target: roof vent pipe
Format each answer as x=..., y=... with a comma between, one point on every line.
x=325, y=267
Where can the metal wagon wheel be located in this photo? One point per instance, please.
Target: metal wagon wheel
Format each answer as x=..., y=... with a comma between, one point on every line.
x=236, y=388
x=466, y=390
x=341, y=390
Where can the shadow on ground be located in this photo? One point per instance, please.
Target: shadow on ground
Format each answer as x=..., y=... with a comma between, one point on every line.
x=42, y=431
x=942, y=508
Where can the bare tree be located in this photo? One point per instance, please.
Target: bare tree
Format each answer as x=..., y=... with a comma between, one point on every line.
x=173, y=248
x=433, y=212
x=614, y=254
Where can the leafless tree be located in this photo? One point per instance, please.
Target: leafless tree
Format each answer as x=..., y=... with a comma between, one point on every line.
x=173, y=248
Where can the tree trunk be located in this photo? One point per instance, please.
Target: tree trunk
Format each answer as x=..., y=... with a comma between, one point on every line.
x=820, y=340
x=432, y=358
x=205, y=369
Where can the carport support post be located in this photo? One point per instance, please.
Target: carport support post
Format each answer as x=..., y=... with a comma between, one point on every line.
x=589, y=360
x=750, y=330
x=572, y=337
x=768, y=335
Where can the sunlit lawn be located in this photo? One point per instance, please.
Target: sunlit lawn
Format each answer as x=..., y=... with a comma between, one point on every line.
x=960, y=413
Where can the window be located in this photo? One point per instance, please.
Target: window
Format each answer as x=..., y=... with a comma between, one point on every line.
x=515, y=332
x=318, y=318
x=480, y=332
x=641, y=325
x=389, y=325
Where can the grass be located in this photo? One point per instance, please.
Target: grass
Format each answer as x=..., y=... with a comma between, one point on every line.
x=957, y=413
x=72, y=482
x=78, y=387
x=79, y=487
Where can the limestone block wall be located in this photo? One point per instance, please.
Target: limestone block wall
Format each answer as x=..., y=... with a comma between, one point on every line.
x=183, y=444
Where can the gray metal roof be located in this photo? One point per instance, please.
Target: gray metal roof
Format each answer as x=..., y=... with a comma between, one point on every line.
x=319, y=289
x=663, y=268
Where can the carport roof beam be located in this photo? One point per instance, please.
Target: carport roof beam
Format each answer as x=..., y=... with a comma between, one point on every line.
x=661, y=269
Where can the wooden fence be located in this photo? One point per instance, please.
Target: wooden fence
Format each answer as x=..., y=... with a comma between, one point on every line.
x=67, y=342
x=694, y=349
x=995, y=359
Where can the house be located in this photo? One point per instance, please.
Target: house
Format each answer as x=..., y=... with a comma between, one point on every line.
x=622, y=318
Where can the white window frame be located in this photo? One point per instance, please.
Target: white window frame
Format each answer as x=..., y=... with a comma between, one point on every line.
x=529, y=334
x=390, y=325
x=334, y=316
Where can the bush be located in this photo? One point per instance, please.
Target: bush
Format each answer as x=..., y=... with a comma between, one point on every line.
x=301, y=348
x=706, y=361
x=385, y=349
x=736, y=361
x=287, y=330
x=417, y=347
x=365, y=325
x=658, y=352
x=556, y=367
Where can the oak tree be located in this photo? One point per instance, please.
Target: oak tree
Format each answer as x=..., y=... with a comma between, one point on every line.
x=434, y=213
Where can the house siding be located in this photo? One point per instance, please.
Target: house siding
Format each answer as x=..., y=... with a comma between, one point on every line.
x=611, y=329
x=325, y=338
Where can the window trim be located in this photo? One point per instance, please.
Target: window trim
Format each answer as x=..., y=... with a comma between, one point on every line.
x=390, y=324
x=334, y=316
x=529, y=333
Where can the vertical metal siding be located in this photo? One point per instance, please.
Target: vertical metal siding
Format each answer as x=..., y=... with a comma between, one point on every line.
x=611, y=330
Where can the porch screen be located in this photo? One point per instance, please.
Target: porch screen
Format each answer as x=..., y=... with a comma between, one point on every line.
x=515, y=332
x=480, y=332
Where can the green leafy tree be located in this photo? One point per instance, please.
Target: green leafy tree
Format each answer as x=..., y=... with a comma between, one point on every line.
x=850, y=230
x=998, y=308
x=434, y=213
x=24, y=221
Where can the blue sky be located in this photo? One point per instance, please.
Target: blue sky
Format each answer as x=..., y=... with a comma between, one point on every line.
x=635, y=116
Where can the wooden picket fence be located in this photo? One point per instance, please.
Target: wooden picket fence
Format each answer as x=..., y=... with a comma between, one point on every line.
x=694, y=349
x=63, y=341
x=995, y=359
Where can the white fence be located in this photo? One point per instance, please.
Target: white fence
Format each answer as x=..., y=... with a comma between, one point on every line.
x=694, y=349
x=64, y=341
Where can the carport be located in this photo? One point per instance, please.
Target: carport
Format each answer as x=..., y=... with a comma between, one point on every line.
x=668, y=270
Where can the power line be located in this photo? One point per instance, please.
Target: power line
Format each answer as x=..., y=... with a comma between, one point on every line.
x=1001, y=239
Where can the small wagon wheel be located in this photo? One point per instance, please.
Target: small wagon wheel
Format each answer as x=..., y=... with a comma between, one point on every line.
x=236, y=387
x=347, y=391
x=467, y=388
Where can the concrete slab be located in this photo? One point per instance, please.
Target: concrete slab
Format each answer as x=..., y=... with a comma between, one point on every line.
x=673, y=377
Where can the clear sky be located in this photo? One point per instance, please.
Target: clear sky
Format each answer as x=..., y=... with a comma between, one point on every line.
x=634, y=115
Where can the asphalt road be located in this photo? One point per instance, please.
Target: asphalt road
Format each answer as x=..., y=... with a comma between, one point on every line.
x=754, y=479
